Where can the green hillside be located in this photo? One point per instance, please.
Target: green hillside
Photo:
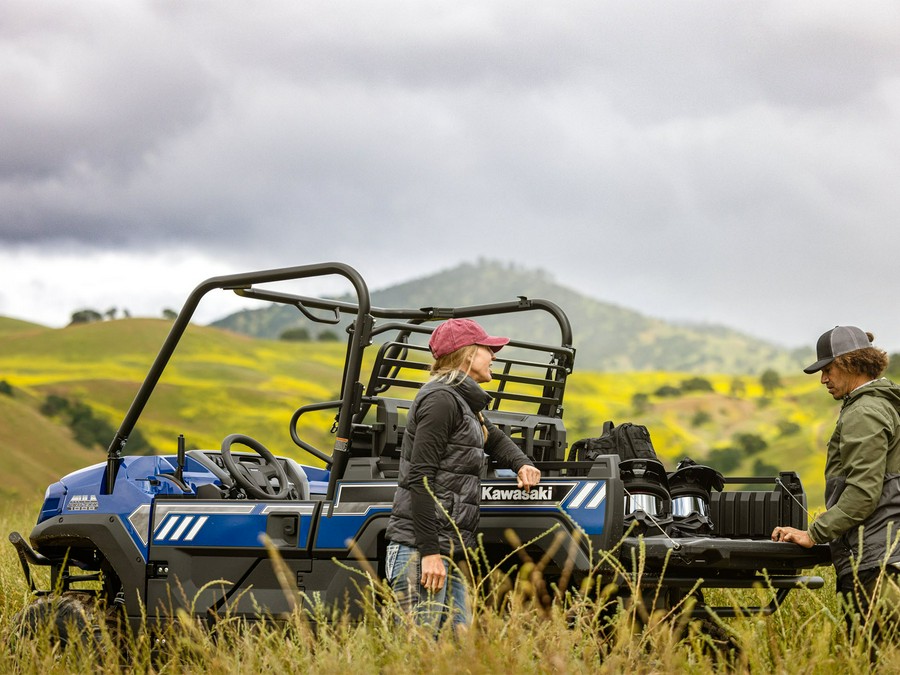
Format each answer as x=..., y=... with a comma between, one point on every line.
x=220, y=382
x=9, y=325
x=35, y=452
x=608, y=337
x=217, y=381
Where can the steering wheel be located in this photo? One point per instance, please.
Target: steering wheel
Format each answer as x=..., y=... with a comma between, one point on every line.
x=256, y=483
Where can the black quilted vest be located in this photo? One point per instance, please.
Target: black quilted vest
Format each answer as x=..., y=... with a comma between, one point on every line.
x=457, y=483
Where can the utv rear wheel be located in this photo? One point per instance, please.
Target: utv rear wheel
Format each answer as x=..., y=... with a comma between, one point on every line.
x=71, y=618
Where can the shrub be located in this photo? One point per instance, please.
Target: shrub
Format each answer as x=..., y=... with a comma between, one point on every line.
x=696, y=384
x=87, y=429
x=761, y=468
x=700, y=418
x=770, y=381
x=54, y=405
x=737, y=387
x=725, y=459
x=750, y=444
x=294, y=335
x=85, y=316
x=788, y=428
x=6, y=388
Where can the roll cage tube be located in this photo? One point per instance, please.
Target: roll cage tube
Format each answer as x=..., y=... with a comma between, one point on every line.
x=405, y=322
x=242, y=282
x=419, y=316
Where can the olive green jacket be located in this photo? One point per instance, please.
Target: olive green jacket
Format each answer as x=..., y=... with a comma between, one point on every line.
x=862, y=481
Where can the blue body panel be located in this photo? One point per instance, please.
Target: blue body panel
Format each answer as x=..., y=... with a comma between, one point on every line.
x=241, y=524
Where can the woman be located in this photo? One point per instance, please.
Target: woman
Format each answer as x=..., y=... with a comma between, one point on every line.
x=436, y=507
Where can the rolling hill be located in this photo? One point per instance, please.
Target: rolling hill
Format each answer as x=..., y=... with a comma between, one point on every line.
x=608, y=338
x=221, y=382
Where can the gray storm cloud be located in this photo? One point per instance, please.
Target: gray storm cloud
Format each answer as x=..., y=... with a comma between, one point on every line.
x=712, y=161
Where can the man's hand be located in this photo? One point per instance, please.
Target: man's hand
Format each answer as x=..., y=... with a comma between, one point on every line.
x=434, y=574
x=792, y=535
x=529, y=476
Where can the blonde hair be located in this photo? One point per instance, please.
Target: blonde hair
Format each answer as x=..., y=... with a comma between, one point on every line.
x=453, y=367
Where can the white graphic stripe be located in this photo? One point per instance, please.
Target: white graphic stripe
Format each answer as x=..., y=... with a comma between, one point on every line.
x=168, y=526
x=181, y=528
x=599, y=497
x=582, y=495
x=195, y=529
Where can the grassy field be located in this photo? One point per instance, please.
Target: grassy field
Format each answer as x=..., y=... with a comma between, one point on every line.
x=805, y=636
x=221, y=383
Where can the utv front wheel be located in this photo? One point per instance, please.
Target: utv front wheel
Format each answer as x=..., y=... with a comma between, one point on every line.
x=67, y=618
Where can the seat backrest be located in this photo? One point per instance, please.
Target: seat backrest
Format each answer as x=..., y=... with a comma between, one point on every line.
x=297, y=476
x=380, y=433
x=541, y=438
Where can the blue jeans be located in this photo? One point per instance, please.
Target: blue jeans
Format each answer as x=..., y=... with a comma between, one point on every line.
x=404, y=573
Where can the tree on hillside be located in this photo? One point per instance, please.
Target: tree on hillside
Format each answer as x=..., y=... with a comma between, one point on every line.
x=738, y=388
x=724, y=459
x=750, y=444
x=88, y=429
x=169, y=314
x=53, y=405
x=700, y=418
x=111, y=313
x=696, y=384
x=761, y=468
x=788, y=428
x=85, y=316
x=295, y=335
x=6, y=388
x=770, y=381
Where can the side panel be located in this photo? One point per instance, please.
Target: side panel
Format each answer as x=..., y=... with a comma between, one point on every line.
x=211, y=556
x=588, y=510
x=576, y=519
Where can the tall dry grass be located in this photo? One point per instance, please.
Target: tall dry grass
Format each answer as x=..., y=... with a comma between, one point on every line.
x=518, y=633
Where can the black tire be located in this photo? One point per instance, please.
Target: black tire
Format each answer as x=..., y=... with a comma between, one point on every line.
x=71, y=618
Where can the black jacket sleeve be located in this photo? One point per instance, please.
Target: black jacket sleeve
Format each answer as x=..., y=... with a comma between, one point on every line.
x=503, y=450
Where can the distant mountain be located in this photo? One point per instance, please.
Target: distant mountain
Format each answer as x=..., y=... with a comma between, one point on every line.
x=607, y=337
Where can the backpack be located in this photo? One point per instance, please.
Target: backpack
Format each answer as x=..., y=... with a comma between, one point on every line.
x=628, y=441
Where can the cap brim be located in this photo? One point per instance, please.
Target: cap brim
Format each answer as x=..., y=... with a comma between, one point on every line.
x=818, y=365
x=495, y=343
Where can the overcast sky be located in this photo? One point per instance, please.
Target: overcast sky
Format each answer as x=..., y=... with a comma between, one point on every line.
x=727, y=162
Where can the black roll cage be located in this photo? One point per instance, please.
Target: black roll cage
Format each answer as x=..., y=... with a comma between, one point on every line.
x=361, y=332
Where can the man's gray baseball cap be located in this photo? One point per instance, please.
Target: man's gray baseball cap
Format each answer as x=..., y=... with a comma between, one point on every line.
x=839, y=340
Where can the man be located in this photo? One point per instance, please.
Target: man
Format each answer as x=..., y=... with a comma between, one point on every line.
x=861, y=523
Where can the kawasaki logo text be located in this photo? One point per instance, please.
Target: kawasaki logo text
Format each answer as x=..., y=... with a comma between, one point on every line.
x=489, y=493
